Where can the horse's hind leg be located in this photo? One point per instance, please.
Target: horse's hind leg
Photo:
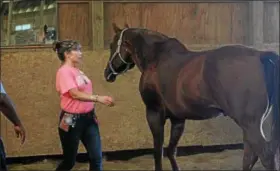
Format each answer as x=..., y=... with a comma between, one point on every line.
x=249, y=157
x=156, y=123
x=254, y=144
x=177, y=129
x=267, y=159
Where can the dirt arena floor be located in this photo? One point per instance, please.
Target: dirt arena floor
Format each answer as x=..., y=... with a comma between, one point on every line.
x=218, y=157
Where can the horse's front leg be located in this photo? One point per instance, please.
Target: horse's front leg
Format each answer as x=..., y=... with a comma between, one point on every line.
x=156, y=123
x=177, y=129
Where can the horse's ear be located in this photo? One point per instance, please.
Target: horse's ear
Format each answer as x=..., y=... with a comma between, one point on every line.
x=126, y=25
x=116, y=28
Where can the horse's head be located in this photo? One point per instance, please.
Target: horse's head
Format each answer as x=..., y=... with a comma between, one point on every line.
x=120, y=55
x=130, y=46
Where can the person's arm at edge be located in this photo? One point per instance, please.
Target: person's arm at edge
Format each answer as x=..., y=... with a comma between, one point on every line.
x=9, y=110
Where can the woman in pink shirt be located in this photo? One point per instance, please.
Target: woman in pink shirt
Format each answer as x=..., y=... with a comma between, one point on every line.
x=77, y=118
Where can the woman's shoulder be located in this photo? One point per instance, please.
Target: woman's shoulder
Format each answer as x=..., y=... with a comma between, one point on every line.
x=65, y=69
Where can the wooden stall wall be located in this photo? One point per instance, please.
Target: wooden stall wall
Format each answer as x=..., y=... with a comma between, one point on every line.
x=192, y=23
x=74, y=21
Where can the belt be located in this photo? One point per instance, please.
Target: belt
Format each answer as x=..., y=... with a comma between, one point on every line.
x=87, y=113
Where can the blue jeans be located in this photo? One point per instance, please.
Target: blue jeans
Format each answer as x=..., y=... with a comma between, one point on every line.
x=3, y=165
x=85, y=129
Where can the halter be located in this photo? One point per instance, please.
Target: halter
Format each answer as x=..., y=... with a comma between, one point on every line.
x=117, y=53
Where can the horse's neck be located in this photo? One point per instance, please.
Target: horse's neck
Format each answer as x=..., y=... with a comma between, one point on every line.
x=143, y=42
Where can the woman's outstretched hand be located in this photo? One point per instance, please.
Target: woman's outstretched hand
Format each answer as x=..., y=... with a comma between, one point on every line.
x=106, y=100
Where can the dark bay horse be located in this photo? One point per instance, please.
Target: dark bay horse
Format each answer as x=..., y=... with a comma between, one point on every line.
x=178, y=84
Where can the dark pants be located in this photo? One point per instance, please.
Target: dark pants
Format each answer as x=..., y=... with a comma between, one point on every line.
x=85, y=129
x=3, y=165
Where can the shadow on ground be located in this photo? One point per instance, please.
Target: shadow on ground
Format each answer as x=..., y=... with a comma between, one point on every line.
x=124, y=155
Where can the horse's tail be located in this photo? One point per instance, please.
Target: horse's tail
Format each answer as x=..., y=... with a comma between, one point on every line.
x=271, y=63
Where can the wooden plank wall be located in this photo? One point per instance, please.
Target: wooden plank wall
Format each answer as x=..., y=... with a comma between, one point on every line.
x=74, y=21
x=192, y=23
x=271, y=22
x=255, y=24
x=97, y=20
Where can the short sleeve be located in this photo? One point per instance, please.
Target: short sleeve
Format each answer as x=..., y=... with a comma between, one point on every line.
x=2, y=90
x=66, y=80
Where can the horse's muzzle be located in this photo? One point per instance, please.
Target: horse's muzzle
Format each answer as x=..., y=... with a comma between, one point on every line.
x=109, y=76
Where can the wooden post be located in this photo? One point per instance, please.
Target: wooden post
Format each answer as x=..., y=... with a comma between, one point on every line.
x=10, y=16
x=42, y=14
x=1, y=13
x=256, y=19
x=1, y=17
x=97, y=18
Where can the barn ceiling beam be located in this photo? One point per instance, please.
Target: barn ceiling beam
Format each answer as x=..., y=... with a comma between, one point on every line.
x=7, y=1
x=1, y=19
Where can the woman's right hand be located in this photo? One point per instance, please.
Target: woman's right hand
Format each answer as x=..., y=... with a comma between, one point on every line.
x=106, y=100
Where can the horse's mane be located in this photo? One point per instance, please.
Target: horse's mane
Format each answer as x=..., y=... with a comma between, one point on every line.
x=170, y=44
x=142, y=44
x=163, y=42
x=154, y=33
x=157, y=43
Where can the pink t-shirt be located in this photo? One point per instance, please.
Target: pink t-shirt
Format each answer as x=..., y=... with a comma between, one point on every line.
x=67, y=78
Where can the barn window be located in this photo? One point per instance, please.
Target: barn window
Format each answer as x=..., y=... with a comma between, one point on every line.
x=26, y=26
x=23, y=27
x=18, y=28
x=30, y=22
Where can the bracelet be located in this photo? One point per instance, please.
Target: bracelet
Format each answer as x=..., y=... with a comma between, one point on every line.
x=94, y=98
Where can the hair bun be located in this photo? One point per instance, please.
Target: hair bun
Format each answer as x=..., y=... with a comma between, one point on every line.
x=56, y=45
